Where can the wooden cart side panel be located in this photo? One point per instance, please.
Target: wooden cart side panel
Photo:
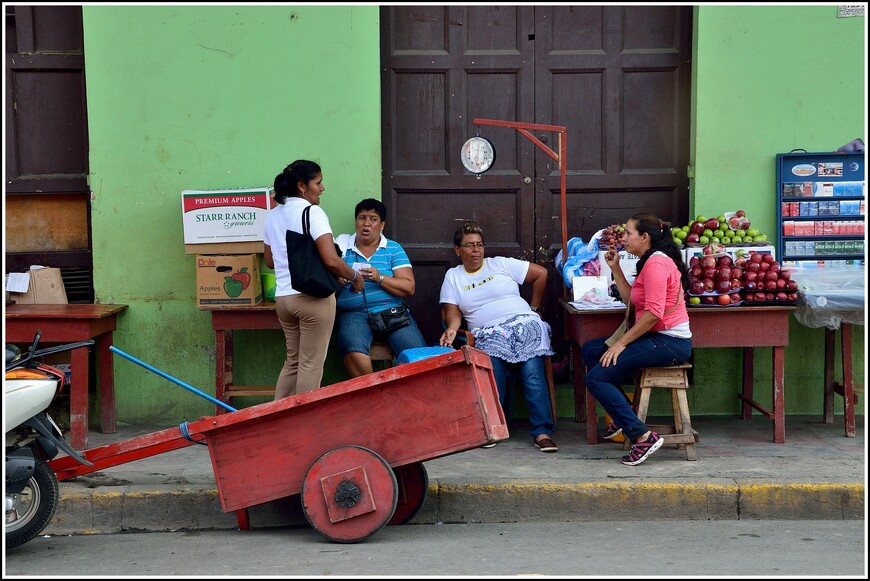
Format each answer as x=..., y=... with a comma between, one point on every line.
x=410, y=418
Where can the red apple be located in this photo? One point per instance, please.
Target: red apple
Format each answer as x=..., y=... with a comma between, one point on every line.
x=760, y=297
x=770, y=296
x=734, y=223
x=781, y=282
x=786, y=274
x=750, y=286
x=740, y=214
x=750, y=275
x=781, y=296
x=736, y=284
x=771, y=275
x=709, y=285
x=764, y=266
x=696, y=287
x=724, y=286
x=768, y=258
x=736, y=272
x=753, y=266
x=712, y=224
x=792, y=296
x=708, y=300
x=754, y=257
x=724, y=300
x=724, y=261
x=723, y=273
x=791, y=284
x=695, y=272
x=709, y=273
x=697, y=227
x=770, y=285
x=750, y=297
x=693, y=238
x=708, y=262
x=741, y=262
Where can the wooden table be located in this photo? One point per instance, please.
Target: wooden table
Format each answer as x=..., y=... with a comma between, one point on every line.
x=224, y=320
x=847, y=388
x=743, y=327
x=68, y=324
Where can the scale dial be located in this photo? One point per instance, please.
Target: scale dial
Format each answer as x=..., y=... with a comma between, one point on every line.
x=478, y=155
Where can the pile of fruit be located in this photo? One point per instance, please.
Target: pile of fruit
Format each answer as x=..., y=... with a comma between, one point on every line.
x=754, y=277
x=727, y=229
x=613, y=235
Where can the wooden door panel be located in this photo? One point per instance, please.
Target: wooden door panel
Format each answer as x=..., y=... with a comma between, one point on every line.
x=618, y=79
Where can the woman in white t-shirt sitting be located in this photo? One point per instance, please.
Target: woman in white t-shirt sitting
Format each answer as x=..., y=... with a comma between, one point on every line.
x=486, y=292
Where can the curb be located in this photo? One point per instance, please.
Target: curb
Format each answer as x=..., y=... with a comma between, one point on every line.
x=144, y=509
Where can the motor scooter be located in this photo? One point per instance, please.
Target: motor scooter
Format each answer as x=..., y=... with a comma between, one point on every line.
x=32, y=439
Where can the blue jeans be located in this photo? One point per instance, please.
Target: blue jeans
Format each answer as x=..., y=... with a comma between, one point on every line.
x=537, y=391
x=355, y=335
x=605, y=383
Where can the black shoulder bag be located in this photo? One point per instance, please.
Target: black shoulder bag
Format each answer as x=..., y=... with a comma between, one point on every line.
x=390, y=319
x=308, y=274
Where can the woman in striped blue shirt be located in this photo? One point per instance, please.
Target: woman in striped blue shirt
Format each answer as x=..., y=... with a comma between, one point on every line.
x=388, y=278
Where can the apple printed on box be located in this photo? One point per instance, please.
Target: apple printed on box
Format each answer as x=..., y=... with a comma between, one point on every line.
x=228, y=280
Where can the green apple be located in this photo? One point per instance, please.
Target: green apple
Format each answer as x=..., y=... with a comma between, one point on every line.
x=703, y=239
x=730, y=233
x=695, y=300
x=737, y=239
x=760, y=238
x=718, y=233
x=700, y=218
x=741, y=232
x=707, y=232
x=753, y=232
x=748, y=239
x=721, y=218
x=681, y=234
x=726, y=240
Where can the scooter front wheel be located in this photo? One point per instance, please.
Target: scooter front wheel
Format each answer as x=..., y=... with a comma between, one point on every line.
x=28, y=512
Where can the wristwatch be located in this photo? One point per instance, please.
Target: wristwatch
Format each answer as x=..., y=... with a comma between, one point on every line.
x=535, y=309
x=381, y=280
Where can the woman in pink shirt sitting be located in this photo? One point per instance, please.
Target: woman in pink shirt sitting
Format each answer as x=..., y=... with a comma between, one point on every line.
x=659, y=337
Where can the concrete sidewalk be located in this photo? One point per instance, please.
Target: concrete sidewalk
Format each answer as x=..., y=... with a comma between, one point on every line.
x=740, y=473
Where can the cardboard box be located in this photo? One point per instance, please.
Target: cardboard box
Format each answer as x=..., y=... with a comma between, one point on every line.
x=229, y=280
x=215, y=216
x=225, y=248
x=580, y=285
x=732, y=251
x=627, y=261
x=45, y=287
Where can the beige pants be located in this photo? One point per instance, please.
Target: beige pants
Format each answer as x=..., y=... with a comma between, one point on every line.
x=307, y=322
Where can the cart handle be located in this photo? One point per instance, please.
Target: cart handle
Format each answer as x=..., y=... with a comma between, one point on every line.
x=173, y=380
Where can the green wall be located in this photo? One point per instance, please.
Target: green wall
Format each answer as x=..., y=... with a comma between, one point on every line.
x=190, y=97
x=769, y=79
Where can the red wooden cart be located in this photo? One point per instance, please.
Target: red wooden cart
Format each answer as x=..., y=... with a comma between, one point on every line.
x=354, y=450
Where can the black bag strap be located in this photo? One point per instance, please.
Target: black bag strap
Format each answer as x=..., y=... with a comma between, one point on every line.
x=306, y=221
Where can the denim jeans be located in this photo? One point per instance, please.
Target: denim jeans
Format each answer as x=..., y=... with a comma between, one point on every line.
x=355, y=335
x=533, y=376
x=605, y=383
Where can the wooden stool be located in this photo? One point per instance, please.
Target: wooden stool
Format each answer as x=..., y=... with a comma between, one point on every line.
x=380, y=351
x=676, y=379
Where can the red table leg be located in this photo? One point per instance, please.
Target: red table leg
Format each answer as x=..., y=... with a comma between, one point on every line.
x=78, y=399
x=848, y=385
x=107, y=383
x=779, y=395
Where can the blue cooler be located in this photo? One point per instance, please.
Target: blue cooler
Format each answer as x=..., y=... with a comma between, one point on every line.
x=418, y=353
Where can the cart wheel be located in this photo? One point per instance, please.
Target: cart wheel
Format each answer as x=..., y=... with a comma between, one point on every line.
x=349, y=493
x=413, y=487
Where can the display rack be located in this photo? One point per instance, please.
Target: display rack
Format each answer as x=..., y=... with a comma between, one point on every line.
x=820, y=209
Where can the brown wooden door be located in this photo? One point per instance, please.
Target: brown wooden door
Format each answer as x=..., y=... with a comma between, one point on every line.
x=47, y=199
x=616, y=76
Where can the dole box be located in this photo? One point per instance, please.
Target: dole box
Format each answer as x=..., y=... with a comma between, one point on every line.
x=215, y=216
x=231, y=280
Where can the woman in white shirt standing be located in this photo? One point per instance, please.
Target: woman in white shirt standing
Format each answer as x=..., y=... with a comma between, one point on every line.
x=306, y=320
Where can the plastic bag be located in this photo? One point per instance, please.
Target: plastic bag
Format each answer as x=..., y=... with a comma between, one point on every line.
x=579, y=253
